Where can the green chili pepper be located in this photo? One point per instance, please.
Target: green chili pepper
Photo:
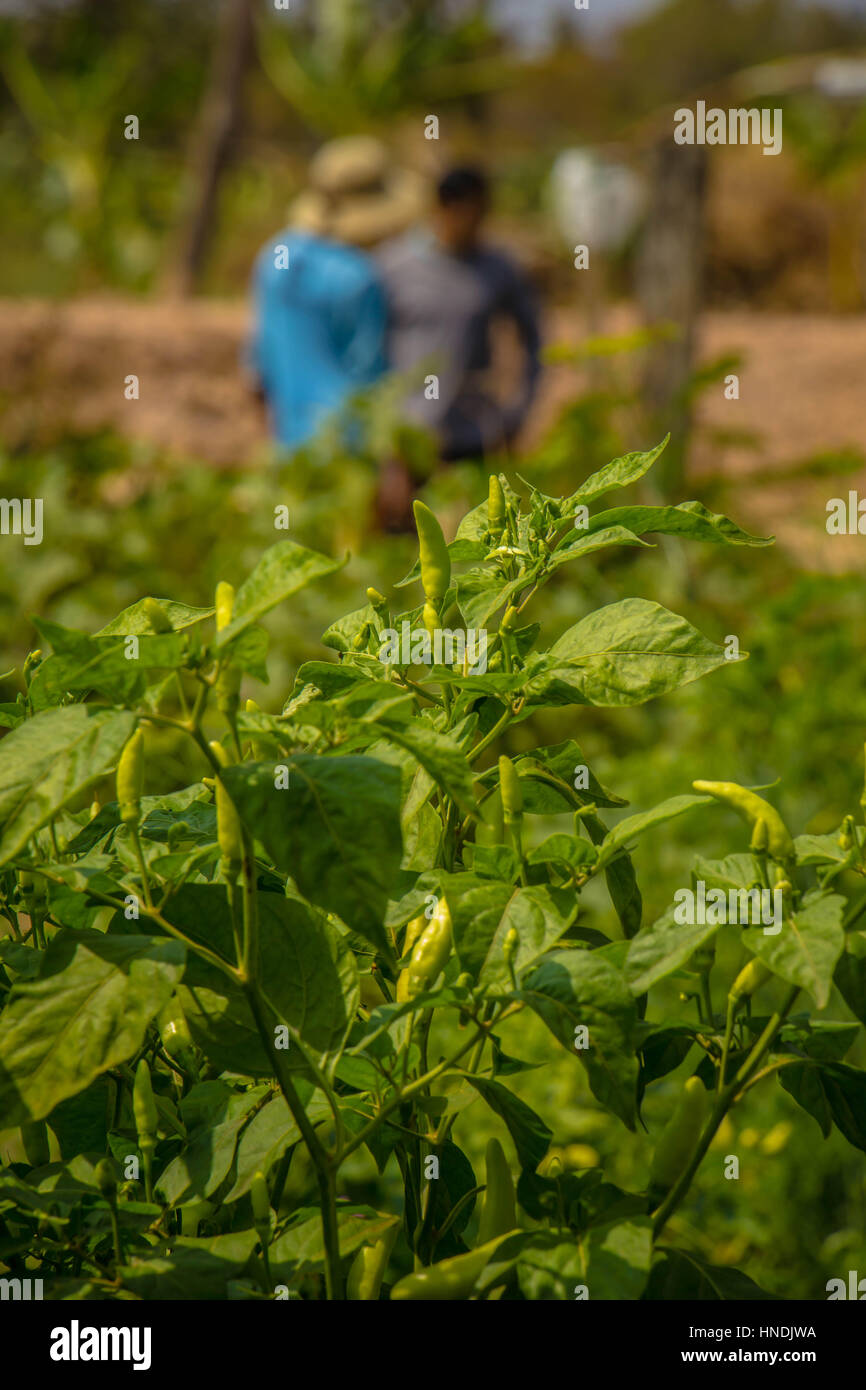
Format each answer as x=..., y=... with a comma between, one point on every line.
x=106, y=1180
x=369, y=1266
x=678, y=1140
x=433, y=551
x=156, y=615
x=371, y=992
x=750, y=979
x=34, y=1137
x=760, y=841
x=144, y=1107
x=498, y=1213
x=509, y=951
x=512, y=792
x=229, y=834
x=495, y=505
x=490, y=830
x=176, y=1037
x=413, y=931
x=754, y=808
x=261, y=1202
x=224, y=602
x=431, y=952
x=130, y=779
x=510, y=619
x=450, y=1279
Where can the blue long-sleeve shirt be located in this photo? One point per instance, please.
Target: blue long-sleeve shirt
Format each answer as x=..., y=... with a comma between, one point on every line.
x=319, y=331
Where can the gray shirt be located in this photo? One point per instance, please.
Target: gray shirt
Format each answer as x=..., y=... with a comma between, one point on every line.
x=440, y=310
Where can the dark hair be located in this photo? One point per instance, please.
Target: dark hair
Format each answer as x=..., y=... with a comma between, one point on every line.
x=464, y=184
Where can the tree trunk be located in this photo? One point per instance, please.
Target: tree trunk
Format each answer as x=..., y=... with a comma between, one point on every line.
x=669, y=289
x=217, y=128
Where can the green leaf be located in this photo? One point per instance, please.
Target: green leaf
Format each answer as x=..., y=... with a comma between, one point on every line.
x=49, y=761
x=530, y=1134
x=335, y=828
x=572, y=988
x=308, y=976
x=81, y=663
x=205, y=1162
x=661, y=949
x=300, y=1250
x=678, y=1275
x=807, y=948
x=850, y=980
x=265, y=1139
x=88, y=1010
x=632, y=826
x=689, y=519
x=483, y=911
x=283, y=570
x=134, y=621
x=438, y=754
x=621, y=881
x=624, y=654
x=191, y=1268
x=587, y=544
x=613, y=1262
x=618, y=473
x=830, y=1092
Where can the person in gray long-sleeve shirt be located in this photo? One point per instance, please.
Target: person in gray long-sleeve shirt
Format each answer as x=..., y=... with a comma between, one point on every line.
x=444, y=288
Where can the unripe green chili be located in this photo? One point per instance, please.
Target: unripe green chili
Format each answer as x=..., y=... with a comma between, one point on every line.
x=433, y=552
x=156, y=615
x=369, y=1266
x=176, y=1037
x=450, y=1279
x=413, y=931
x=490, y=830
x=510, y=619
x=760, y=841
x=430, y=618
x=34, y=1137
x=498, y=1213
x=511, y=790
x=495, y=505
x=371, y=992
x=431, y=952
x=261, y=1202
x=130, y=779
x=146, y=1121
x=229, y=834
x=678, y=1140
x=752, y=976
x=509, y=951
x=224, y=602
x=106, y=1180
x=754, y=808
x=144, y=1106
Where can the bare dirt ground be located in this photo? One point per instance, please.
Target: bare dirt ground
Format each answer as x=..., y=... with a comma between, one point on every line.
x=802, y=393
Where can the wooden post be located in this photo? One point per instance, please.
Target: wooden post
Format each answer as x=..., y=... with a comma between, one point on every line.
x=218, y=125
x=669, y=290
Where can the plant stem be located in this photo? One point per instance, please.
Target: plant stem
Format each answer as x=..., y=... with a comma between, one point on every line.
x=720, y=1110
x=326, y=1175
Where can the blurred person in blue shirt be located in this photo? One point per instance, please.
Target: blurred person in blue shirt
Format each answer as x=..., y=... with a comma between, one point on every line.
x=319, y=304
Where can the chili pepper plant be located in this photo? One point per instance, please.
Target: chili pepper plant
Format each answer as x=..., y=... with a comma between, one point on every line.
x=212, y=998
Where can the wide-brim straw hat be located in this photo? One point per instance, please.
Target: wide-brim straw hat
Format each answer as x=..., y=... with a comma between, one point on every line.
x=357, y=194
